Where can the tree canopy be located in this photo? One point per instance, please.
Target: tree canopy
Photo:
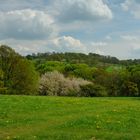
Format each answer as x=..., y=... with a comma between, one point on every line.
x=17, y=74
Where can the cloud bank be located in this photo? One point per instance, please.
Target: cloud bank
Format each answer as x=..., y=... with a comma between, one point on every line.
x=81, y=10
x=106, y=27
x=26, y=24
x=133, y=6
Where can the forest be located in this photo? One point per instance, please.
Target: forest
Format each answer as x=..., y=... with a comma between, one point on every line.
x=67, y=74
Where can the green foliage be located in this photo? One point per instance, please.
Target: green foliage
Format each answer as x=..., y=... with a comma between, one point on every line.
x=130, y=81
x=24, y=78
x=3, y=89
x=130, y=62
x=1, y=78
x=92, y=90
x=118, y=78
x=83, y=70
x=19, y=75
x=130, y=89
x=111, y=76
x=135, y=75
x=91, y=59
x=76, y=70
x=50, y=66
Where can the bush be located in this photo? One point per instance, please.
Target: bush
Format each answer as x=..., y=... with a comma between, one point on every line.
x=3, y=90
x=55, y=84
x=92, y=90
x=129, y=89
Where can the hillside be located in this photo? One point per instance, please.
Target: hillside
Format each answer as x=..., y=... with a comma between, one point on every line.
x=109, y=74
x=91, y=59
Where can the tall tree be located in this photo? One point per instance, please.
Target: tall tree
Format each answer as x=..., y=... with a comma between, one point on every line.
x=20, y=76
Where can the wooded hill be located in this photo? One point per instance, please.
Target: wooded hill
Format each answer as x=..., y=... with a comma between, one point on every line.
x=67, y=74
x=91, y=59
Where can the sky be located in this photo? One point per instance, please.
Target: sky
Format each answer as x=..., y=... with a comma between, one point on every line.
x=106, y=27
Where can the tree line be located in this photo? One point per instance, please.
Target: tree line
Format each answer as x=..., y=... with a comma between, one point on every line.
x=67, y=74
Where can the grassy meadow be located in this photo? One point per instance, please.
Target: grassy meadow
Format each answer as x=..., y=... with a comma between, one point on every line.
x=68, y=118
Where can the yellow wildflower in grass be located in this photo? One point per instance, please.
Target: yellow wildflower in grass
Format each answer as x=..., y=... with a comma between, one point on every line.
x=34, y=136
x=118, y=122
x=114, y=110
x=108, y=121
x=93, y=138
x=97, y=116
x=98, y=127
x=8, y=137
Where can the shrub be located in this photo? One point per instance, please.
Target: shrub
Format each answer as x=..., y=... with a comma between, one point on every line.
x=92, y=90
x=129, y=89
x=55, y=84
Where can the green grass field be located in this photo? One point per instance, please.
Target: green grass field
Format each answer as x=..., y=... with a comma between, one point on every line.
x=60, y=118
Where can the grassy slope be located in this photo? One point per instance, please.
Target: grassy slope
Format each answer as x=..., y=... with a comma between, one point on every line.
x=59, y=118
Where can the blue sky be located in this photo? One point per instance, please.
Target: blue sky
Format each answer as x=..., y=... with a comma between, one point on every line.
x=107, y=27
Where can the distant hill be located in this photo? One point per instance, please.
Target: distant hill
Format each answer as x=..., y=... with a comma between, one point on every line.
x=90, y=59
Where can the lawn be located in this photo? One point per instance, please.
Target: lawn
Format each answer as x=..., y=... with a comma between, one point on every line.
x=66, y=118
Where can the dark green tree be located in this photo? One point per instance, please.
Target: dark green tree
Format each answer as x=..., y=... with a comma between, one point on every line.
x=20, y=76
x=129, y=89
x=2, y=88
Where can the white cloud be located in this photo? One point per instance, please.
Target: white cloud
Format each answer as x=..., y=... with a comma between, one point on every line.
x=135, y=49
x=99, y=44
x=26, y=24
x=25, y=47
x=133, y=6
x=81, y=10
x=10, y=5
x=121, y=49
x=97, y=47
x=130, y=37
x=108, y=37
x=59, y=44
x=67, y=44
x=31, y=26
x=126, y=5
x=98, y=51
x=135, y=46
